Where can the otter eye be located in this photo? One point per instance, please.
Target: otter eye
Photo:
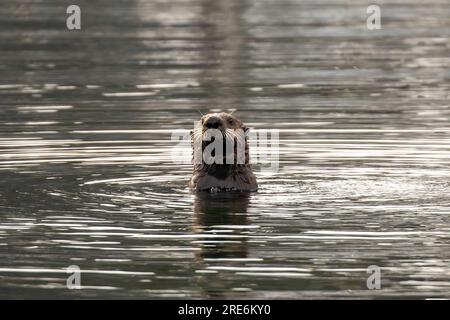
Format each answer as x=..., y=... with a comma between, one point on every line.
x=230, y=121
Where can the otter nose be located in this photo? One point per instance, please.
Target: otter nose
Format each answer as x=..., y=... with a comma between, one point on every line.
x=213, y=122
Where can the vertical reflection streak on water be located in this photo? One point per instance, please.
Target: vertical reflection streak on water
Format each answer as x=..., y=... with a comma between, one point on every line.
x=86, y=176
x=224, y=215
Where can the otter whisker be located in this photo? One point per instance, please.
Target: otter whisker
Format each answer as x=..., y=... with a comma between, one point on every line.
x=230, y=132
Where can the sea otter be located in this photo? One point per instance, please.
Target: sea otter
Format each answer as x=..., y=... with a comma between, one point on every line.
x=230, y=169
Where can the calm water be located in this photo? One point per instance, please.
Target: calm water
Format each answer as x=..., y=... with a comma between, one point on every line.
x=86, y=176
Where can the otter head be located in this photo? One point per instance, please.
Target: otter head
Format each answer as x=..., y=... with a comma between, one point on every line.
x=229, y=170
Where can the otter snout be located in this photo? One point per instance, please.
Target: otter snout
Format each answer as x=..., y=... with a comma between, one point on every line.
x=213, y=123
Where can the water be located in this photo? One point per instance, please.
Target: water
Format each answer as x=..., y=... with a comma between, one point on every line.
x=85, y=163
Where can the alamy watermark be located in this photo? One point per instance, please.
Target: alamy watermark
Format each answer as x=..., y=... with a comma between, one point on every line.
x=74, y=279
x=73, y=21
x=373, y=21
x=233, y=146
x=374, y=280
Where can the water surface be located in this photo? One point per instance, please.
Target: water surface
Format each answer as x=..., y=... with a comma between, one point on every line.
x=87, y=176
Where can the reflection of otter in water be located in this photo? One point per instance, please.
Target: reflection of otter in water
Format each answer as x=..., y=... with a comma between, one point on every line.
x=223, y=215
x=233, y=170
x=224, y=212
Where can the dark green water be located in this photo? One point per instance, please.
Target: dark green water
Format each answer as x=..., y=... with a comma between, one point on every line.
x=87, y=179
